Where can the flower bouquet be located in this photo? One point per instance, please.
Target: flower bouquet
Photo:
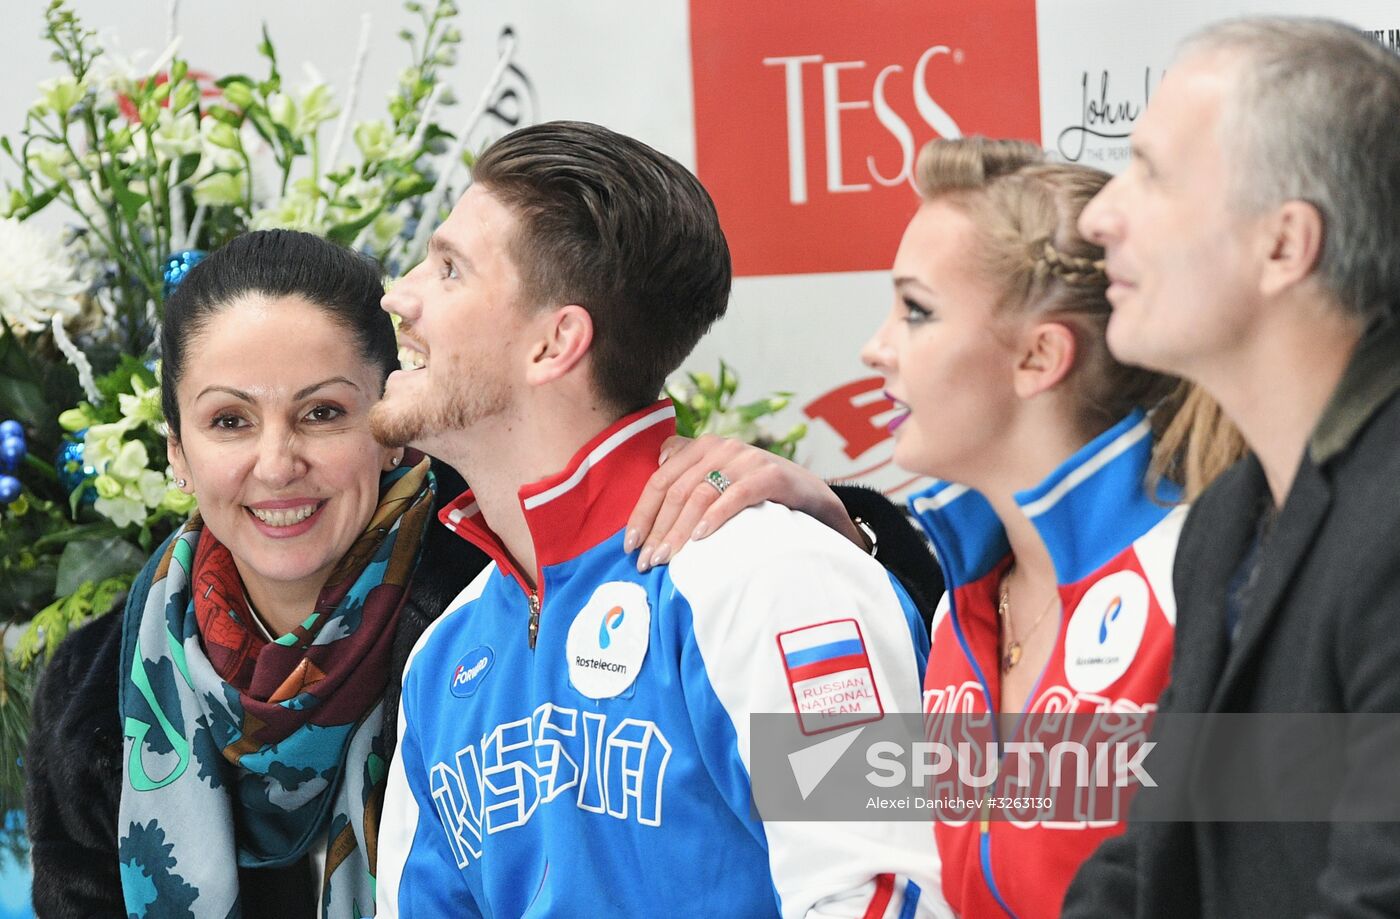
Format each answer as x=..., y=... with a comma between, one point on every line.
x=146, y=168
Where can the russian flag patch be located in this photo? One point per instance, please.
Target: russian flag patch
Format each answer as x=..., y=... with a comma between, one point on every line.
x=829, y=675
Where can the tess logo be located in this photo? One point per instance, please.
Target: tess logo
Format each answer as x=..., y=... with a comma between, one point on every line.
x=809, y=117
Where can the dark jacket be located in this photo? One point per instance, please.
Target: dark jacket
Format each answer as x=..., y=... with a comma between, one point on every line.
x=901, y=549
x=73, y=763
x=1319, y=631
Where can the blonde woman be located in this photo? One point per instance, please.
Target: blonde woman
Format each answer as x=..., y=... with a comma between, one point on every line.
x=1062, y=480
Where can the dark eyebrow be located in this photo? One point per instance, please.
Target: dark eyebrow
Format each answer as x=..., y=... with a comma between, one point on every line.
x=297, y=397
x=236, y=393
x=438, y=243
x=303, y=393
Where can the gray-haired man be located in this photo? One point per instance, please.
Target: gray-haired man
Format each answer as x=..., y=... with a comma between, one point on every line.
x=1254, y=246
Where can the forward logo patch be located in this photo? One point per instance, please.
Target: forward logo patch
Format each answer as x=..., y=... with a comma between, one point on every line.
x=470, y=671
x=829, y=676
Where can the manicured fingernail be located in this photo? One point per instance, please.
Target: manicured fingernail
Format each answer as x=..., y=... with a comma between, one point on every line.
x=665, y=455
x=629, y=542
x=644, y=560
x=662, y=553
x=700, y=530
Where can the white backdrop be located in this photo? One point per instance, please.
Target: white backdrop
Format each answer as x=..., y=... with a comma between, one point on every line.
x=712, y=83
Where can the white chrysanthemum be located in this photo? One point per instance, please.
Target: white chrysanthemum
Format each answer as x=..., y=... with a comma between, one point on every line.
x=36, y=277
x=176, y=136
x=117, y=71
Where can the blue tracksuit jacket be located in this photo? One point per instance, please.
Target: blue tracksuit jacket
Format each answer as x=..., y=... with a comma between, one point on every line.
x=604, y=770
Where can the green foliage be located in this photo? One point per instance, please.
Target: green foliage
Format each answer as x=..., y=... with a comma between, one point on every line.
x=89, y=561
x=117, y=383
x=143, y=166
x=55, y=621
x=706, y=406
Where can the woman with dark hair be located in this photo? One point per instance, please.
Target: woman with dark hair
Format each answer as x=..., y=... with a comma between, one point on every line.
x=219, y=748
x=1063, y=476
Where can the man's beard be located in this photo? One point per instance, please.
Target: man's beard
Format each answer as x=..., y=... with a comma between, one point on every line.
x=461, y=407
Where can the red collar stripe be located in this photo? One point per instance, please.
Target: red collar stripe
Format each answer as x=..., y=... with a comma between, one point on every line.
x=584, y=504
x=614, y=440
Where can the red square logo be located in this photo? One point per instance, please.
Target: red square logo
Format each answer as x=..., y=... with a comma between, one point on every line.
x=809, y=116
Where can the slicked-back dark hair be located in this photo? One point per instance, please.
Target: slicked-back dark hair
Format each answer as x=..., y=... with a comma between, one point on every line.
x=624, y=231
x=274, y=264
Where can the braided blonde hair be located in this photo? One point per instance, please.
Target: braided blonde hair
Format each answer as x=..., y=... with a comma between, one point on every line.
x=1025, y=211
x=1071, y=269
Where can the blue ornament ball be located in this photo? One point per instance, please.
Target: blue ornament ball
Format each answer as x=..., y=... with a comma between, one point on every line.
x=12, y=450
x=11, y=428
x=177, y=265
x=72, y=471
x=9, y=489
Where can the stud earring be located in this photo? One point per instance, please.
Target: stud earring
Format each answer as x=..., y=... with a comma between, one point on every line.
x=180, y=483
x=394, y=461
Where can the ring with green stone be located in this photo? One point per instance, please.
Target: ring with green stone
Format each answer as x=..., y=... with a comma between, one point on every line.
x=718, y=479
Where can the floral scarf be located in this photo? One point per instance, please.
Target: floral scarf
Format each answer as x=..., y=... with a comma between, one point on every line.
x=242, y=752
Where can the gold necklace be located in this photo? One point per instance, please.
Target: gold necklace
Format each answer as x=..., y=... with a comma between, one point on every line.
x=1012, y=656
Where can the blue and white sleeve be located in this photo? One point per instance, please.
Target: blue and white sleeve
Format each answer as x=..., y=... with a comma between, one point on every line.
x=782, y=609
x=418, y=873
